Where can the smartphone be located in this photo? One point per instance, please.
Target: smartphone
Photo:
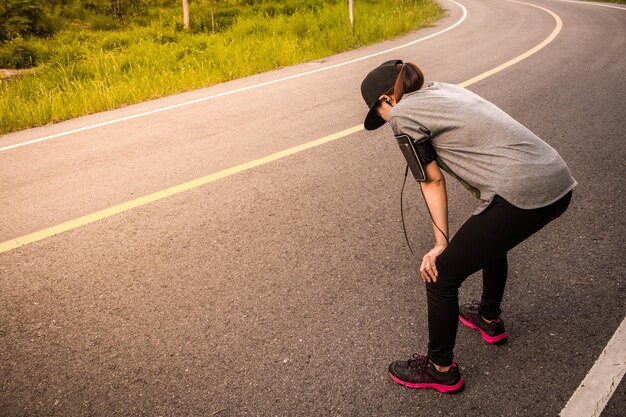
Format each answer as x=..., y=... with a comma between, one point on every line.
x=409, y=150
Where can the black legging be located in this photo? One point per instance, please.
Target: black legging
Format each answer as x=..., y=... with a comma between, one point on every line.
x=481, y=243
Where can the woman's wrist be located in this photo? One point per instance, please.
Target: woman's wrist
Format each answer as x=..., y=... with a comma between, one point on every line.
x=441, y=245
x=439, y=248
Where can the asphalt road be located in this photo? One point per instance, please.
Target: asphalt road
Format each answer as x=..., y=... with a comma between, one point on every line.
x=287, y=289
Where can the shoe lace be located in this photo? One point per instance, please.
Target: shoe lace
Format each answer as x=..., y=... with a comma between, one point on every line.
x=418, y=362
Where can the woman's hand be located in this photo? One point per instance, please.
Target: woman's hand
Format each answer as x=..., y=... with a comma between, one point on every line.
x=428, y=269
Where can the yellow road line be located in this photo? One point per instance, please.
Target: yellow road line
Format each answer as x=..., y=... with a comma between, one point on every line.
x=159, y=195
x=168, y=192
x=550, y=38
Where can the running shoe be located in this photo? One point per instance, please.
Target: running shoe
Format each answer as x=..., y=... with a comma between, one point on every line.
x=493, y=332
x=419, y=372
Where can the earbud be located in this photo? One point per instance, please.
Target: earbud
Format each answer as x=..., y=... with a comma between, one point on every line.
x=388, y=102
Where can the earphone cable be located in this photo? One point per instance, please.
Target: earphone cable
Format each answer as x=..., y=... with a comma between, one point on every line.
x=406, y=172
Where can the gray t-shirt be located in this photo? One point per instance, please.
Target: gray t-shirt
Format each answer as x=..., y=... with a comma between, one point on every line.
x=483, y=147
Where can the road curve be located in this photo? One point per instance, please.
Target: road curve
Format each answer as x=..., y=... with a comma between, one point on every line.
x=287, y=289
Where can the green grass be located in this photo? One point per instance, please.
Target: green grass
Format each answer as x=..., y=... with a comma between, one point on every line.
x=83, y=70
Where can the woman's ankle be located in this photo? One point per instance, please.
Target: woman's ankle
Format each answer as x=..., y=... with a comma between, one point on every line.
x=442, y=369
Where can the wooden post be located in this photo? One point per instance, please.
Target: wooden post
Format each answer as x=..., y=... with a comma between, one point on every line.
x=186, y=14
x=212, y=17
x=351, y=7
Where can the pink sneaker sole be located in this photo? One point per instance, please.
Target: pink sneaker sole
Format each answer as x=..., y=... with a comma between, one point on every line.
x=492, y=340
x=448, y=389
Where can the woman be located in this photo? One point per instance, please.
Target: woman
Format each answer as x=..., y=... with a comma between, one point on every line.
x=522, y=184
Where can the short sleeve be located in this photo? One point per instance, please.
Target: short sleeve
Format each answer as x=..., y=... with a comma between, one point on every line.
x=401, y=125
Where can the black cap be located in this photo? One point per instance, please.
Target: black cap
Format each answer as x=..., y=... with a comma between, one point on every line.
x=376, y=83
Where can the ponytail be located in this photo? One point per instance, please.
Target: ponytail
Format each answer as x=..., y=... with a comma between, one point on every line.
x=409, y=79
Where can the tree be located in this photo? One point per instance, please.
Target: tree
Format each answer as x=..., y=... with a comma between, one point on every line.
x=116, y=8
x=22, y=18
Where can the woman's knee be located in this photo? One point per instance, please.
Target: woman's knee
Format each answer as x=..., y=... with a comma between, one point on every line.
x=442, y=287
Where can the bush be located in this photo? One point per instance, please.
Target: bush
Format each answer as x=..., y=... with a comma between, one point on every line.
x=18, y=55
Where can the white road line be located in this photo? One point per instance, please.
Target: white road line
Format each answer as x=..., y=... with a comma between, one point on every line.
x=602, y=380
x=595, y=391
x=592, y=4
x=239, y=90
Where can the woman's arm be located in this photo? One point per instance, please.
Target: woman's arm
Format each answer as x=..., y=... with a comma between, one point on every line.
x=434, y=189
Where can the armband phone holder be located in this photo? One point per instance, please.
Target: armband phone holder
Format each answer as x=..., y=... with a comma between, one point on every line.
x=417, y=154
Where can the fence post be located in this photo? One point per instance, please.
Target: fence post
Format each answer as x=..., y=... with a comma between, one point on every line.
x=186, y=14
x=351, y=7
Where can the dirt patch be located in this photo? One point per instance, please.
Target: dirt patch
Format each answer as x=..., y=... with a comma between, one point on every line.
x=11, y=73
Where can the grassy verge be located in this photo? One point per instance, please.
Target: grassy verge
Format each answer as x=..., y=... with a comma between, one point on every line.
x=83, y=70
